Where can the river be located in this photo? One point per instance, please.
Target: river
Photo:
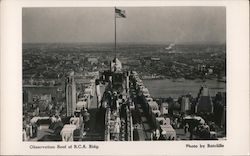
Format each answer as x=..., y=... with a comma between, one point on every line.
x=166, y=87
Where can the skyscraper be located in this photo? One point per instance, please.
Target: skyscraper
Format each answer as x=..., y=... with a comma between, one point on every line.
x=204, y=102
x=185, y=104
x=70, y=94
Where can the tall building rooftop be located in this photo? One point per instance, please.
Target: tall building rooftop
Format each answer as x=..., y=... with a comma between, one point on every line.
x=204, y=102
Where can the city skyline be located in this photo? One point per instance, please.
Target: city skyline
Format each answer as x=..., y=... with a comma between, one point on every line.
x=124, y=92
x=142, y=25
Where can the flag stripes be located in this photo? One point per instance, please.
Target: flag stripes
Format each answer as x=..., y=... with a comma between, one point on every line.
x=120, y=13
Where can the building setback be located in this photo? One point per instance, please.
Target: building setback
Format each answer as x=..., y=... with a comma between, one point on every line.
x=204, y=102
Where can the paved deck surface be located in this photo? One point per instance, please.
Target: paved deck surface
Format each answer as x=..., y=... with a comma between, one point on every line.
x=95, y=132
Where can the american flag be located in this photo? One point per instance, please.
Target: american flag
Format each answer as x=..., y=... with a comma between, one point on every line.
x=120, y=13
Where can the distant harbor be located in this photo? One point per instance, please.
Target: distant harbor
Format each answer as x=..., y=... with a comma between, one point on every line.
x=169, y=88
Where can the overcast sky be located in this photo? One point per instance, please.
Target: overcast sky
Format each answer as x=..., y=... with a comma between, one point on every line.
x=144, y=24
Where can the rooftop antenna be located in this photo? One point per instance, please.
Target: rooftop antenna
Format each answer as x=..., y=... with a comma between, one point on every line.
x=118, y=14
x=115, y=32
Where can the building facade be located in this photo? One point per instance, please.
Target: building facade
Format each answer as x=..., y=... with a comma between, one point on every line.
x=70, y=95
x=204, y=103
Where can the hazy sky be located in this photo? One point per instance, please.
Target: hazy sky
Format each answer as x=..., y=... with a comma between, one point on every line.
x=143, y=24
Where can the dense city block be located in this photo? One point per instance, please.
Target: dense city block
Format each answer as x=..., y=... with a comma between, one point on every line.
x=82, y=92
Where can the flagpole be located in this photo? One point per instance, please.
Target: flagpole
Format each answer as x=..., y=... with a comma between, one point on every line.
x=115, y=33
